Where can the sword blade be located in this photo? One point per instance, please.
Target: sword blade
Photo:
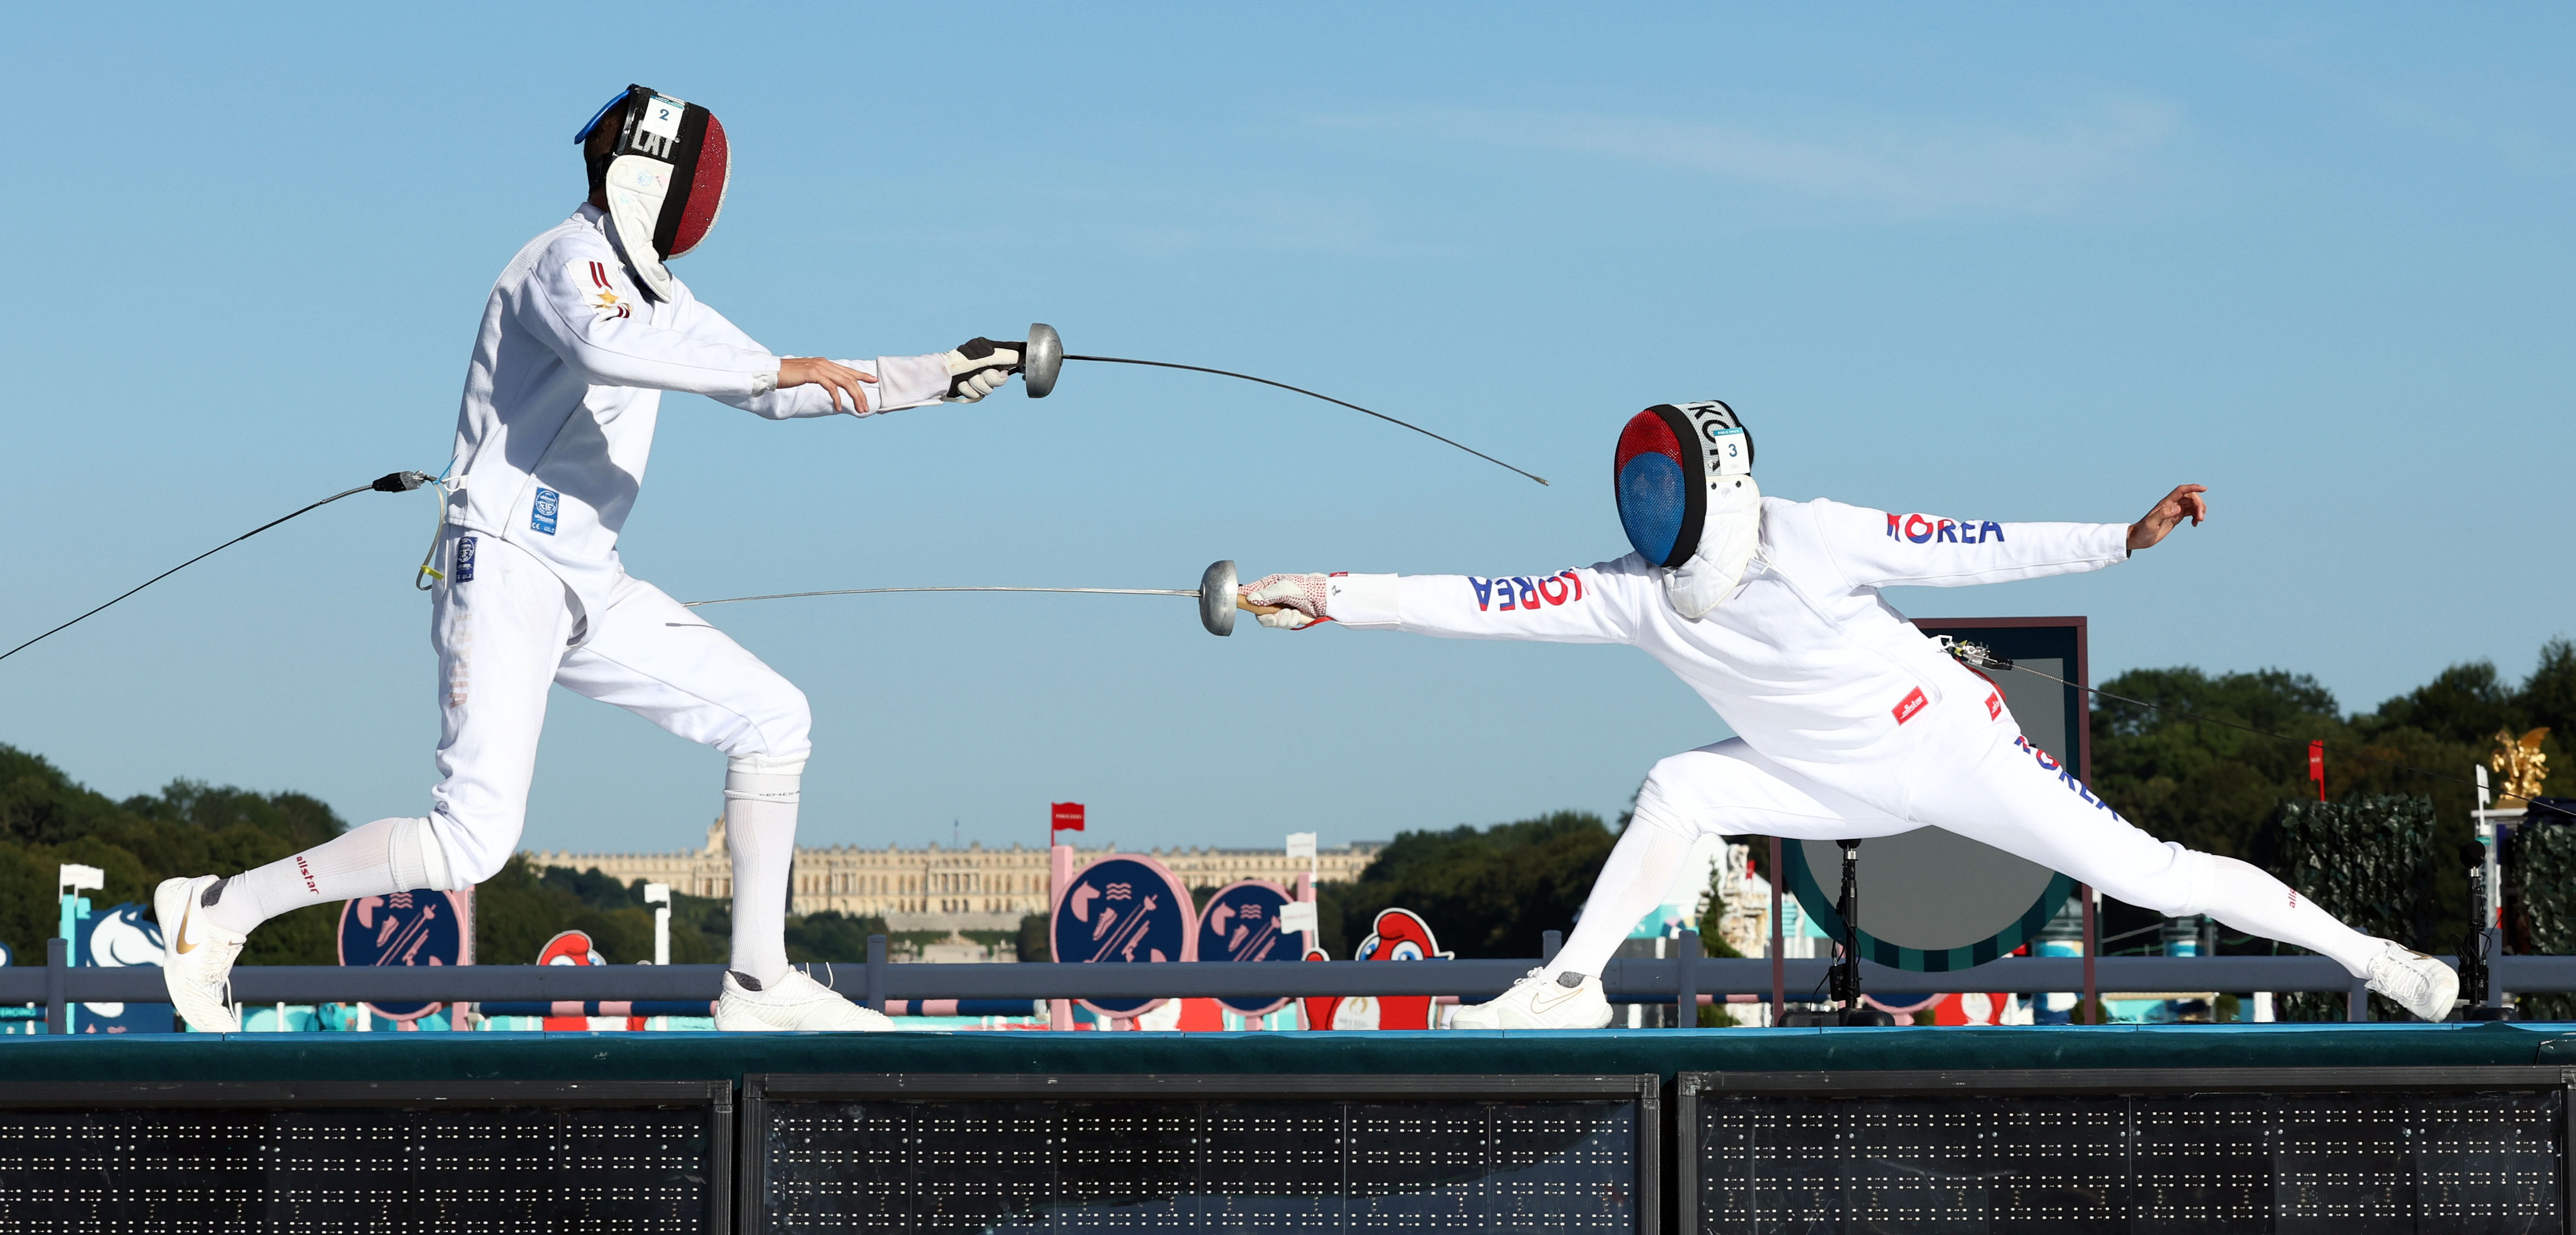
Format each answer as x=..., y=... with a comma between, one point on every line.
x=867, y=591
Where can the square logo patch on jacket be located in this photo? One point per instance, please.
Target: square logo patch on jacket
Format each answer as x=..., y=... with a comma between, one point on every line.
x=549, y=504
x=1912, y=703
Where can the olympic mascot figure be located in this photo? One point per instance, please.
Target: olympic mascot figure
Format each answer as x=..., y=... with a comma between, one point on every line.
x=1849, y=722
x=584, y=331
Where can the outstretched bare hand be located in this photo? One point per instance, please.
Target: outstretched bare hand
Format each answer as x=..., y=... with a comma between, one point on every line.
x=2184, y=501
x=836, y=378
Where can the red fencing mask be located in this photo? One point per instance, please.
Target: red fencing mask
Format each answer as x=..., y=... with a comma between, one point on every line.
x=663, y=178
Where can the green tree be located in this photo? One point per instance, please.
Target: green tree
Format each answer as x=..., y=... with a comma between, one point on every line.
x=2178, y=772
x=189, y=828
x=831, y=936
x=2181, y=772
x=2448, y=727
x=2464, y=702
x=1487, y=892
x=2548, y=696
x=519, y=909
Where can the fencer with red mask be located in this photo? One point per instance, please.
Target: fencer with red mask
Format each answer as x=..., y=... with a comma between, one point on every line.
x=582, y=334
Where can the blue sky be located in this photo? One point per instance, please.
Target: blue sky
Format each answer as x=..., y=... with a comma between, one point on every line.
x=2013, y=262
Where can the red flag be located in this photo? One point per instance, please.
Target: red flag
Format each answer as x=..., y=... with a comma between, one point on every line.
x=1066, y=817
x=2317, y=767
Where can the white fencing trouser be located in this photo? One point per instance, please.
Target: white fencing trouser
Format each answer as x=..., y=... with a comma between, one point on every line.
x=1971, y=775
x=513, y=630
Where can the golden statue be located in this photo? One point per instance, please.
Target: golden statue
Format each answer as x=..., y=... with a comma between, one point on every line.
x=2524, y=768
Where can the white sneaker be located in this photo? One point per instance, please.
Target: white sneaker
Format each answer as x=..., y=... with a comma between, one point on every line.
x=1537, y=1002
x=2426, y=986
x=792, y=1002
x=196, y=956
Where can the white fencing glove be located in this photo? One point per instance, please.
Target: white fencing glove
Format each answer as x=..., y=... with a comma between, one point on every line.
x=978, y=367
x=1300, y=597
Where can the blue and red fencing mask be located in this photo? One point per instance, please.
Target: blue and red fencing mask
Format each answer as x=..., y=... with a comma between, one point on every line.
x=1684, y=478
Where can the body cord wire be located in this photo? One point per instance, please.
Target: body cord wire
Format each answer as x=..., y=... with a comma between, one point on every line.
x=1165, y=364
x=395, y=482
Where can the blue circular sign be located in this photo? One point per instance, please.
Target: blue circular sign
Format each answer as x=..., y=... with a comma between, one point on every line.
x=1122, y=909
x=406, y=928
x=1241, y=923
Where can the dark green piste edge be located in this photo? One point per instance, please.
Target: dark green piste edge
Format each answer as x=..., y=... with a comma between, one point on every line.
x=709, y=1056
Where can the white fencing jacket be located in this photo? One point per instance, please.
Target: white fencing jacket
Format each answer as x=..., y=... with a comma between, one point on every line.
x=566, y=383
x=1804, y=661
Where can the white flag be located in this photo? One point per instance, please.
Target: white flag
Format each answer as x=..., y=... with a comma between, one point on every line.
x=1296, y=916
x=1301, y=845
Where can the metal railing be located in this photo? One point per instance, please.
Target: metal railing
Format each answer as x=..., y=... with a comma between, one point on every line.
x=1688, y=979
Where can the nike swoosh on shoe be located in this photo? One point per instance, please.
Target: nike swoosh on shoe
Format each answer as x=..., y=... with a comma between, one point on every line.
x=186, y=915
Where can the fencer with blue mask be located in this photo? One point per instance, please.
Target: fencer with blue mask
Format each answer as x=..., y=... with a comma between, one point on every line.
x=583, y=333
x=1849, y=722
x=1687, y=499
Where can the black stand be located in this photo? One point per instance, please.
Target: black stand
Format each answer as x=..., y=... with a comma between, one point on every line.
x=1844, y=981
x=1846, y=976
x=2474, y=944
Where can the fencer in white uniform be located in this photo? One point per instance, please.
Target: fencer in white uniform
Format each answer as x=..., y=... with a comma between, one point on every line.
x=583, y=332
x=1849, y=722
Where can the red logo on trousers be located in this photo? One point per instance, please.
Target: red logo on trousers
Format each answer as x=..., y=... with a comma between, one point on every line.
x=1910, y=704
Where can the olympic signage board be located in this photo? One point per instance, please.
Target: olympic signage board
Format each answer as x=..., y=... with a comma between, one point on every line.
x=1935, y=901
x=408, y=928
x=1125, y=908
x=1241, y=922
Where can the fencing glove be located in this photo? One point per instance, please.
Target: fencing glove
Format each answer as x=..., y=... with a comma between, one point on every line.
x=1300, y=597
x=979, y=366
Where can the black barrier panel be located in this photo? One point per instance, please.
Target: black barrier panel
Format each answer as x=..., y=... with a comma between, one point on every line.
x=228, y=1163
x=2205, y=1157
x=1198, y=1157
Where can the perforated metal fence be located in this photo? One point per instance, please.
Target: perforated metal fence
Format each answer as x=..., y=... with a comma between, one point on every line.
x=1202, y=1153
x=650, y=1157
x=2462, y=1150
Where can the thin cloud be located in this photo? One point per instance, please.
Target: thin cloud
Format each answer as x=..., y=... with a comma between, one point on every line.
x=2110, y=152
x=1152, y=221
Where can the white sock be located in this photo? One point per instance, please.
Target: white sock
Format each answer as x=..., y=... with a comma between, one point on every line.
x=2251, y=901
x=761, y=794
x=1640, y=870
x=389, y=855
